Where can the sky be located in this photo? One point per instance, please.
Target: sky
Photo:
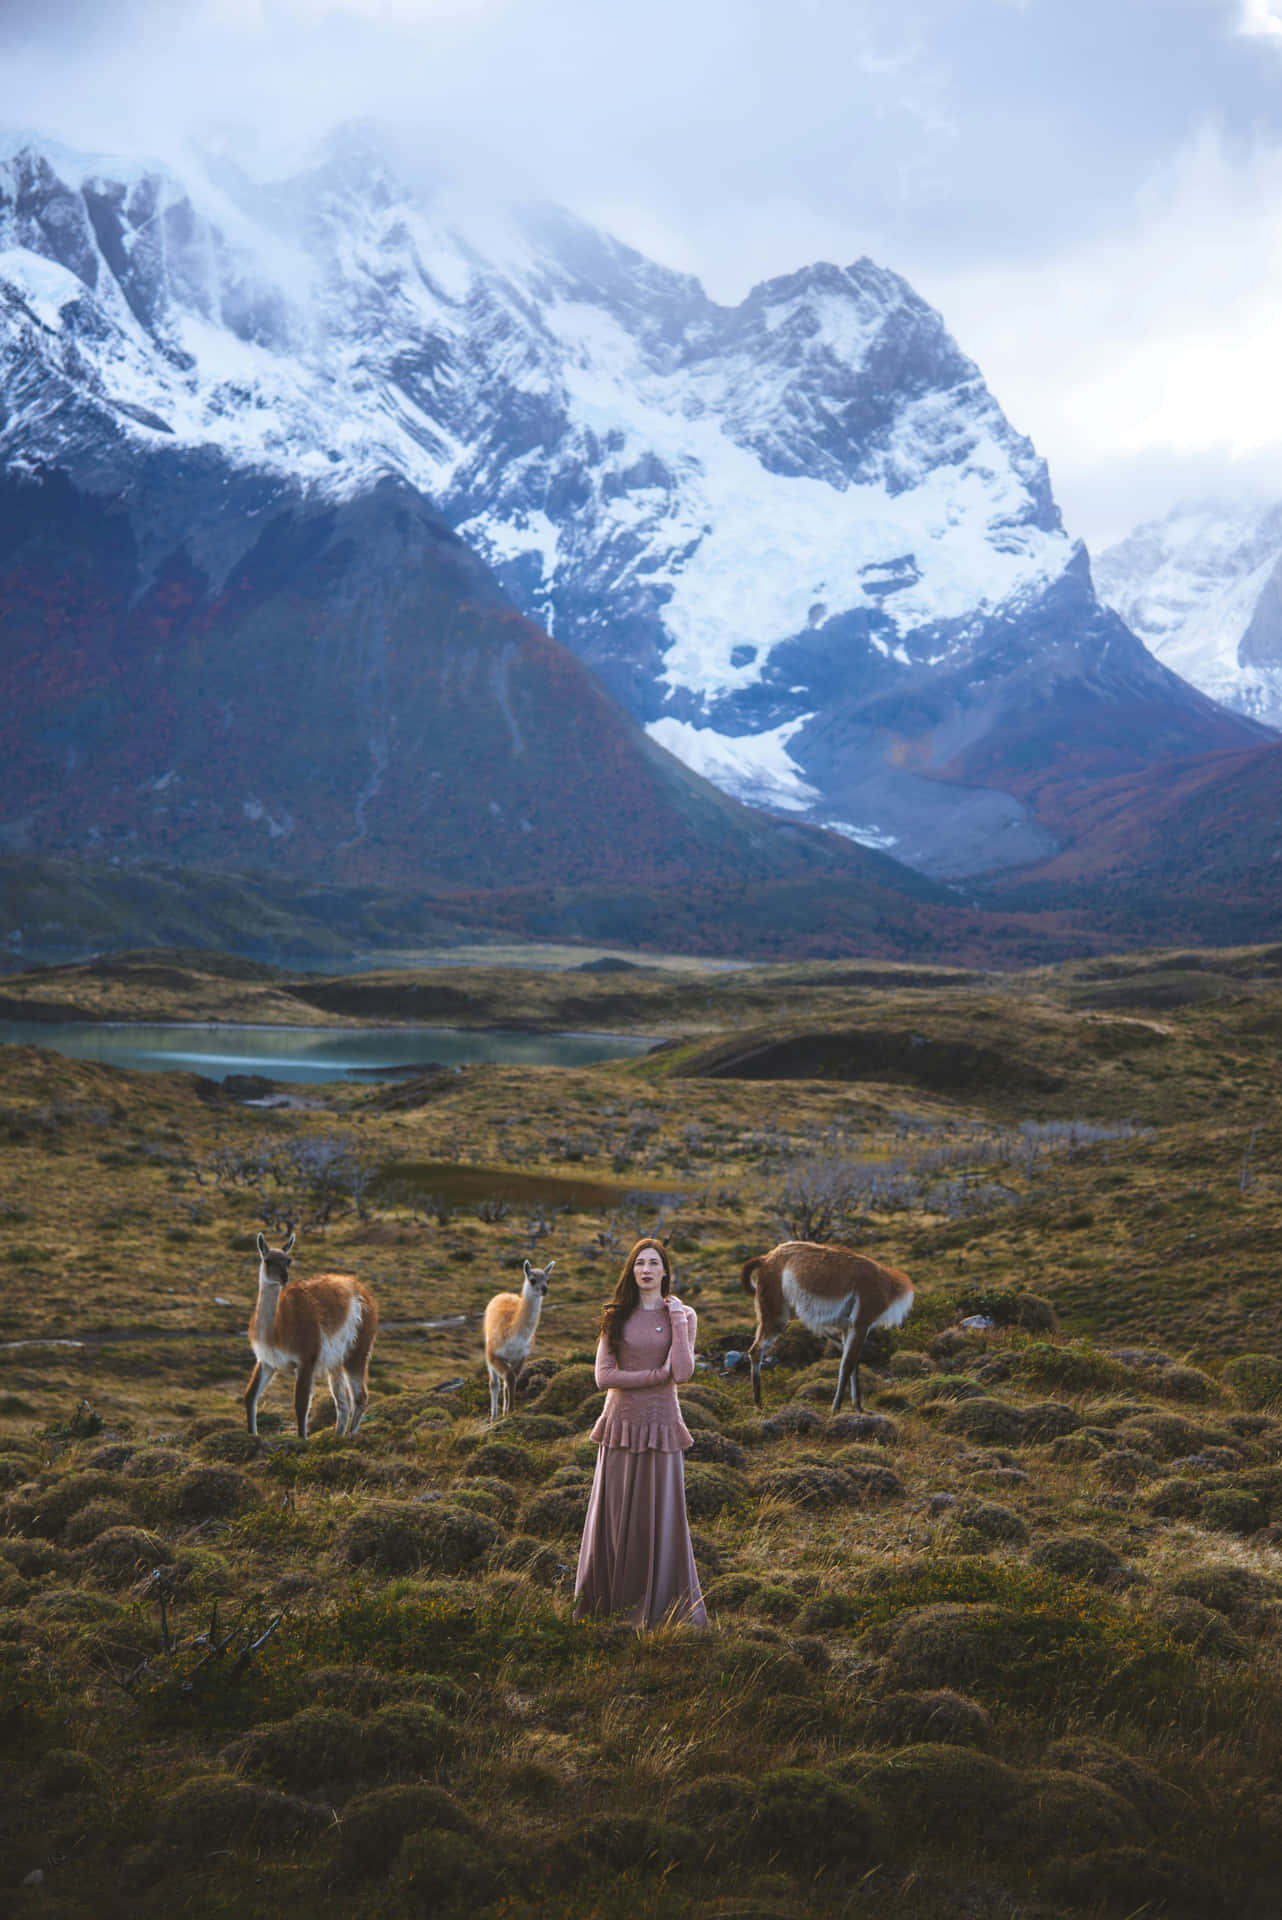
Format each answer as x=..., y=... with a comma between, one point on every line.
x=1090, y=191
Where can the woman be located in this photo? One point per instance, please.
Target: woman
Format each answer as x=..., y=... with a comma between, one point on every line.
x=636, y=1558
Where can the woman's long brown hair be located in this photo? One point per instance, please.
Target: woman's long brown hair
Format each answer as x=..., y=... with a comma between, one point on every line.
x=627, y=1295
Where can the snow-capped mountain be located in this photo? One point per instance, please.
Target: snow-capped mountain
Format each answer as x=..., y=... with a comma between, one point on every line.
x=1203, y=589
x=796, y=538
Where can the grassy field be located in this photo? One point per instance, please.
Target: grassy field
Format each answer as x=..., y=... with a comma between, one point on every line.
x=1008, y=1646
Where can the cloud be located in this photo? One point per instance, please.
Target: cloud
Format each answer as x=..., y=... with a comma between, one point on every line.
x=1150, y=351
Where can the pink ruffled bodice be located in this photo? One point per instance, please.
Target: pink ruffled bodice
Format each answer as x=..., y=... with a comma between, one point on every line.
x=641, y=1410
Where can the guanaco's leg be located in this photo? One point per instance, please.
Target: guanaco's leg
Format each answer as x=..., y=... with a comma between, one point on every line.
x=303, y=1399
x=259, y=1380
x=852, y=1348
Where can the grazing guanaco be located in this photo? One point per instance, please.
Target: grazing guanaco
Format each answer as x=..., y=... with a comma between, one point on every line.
x=831, y=1290
x=511, y=1321
x=324, y=1324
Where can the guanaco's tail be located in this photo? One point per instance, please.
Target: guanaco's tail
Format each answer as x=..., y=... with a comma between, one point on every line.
x=748, y=1273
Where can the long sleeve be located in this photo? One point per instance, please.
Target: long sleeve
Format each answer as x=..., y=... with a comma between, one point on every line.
x=610, y=1374
x=684, y=1322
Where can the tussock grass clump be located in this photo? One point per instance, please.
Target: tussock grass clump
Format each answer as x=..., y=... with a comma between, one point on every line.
x=489, y=1494
x=1077, y=1556
x=710, y=1490
x=732, y=1592
x=1062, y=1812
x=65, y=1770
x=219, y=1810
x=938, y=1718
x=790, y=1420
x=534, y=1558
x=1073, y=1368
x=326, y=1748
x=376, y=1824
x=1136, y=1879
x=211, y=1493
x=715, y=1448
x=1256, y=1379
x=96, y=1518
x=991, y=1522
x=619, y=1843
x=957, y=1794
x=993, y=1423
x=43, y=1511
x=119, y=1554
x=875, y=1428
x=1152, y=1799
x=566, y=1391
x=404, y=1536
x=557, y=1513
x=501, y=1460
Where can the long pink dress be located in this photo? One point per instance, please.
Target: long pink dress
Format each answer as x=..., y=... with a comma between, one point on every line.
x=636, y=1559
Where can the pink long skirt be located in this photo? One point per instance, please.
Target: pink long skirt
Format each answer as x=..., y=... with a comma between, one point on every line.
x=636, y=1559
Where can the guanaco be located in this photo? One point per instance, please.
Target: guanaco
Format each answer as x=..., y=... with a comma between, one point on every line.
x=511, y=1321
x=831, y=1290
x=326, y=1323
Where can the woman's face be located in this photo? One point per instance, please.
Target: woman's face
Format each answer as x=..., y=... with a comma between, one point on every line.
x=647, y=1269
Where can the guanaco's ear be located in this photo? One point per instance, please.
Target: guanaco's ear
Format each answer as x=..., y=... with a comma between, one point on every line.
x=527, y=1267
x=262, y=1247
x=549, y=1267
x=289, y=1245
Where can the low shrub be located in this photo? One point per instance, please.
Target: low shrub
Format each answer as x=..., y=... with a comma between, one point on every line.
x=1232, y=1510
x=620, y=1843
x=534, y=1558
x=1137, y=1784
x=448, y=1871
x=96, y=1518
x=1136, y=1879
x=1061, y=1811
